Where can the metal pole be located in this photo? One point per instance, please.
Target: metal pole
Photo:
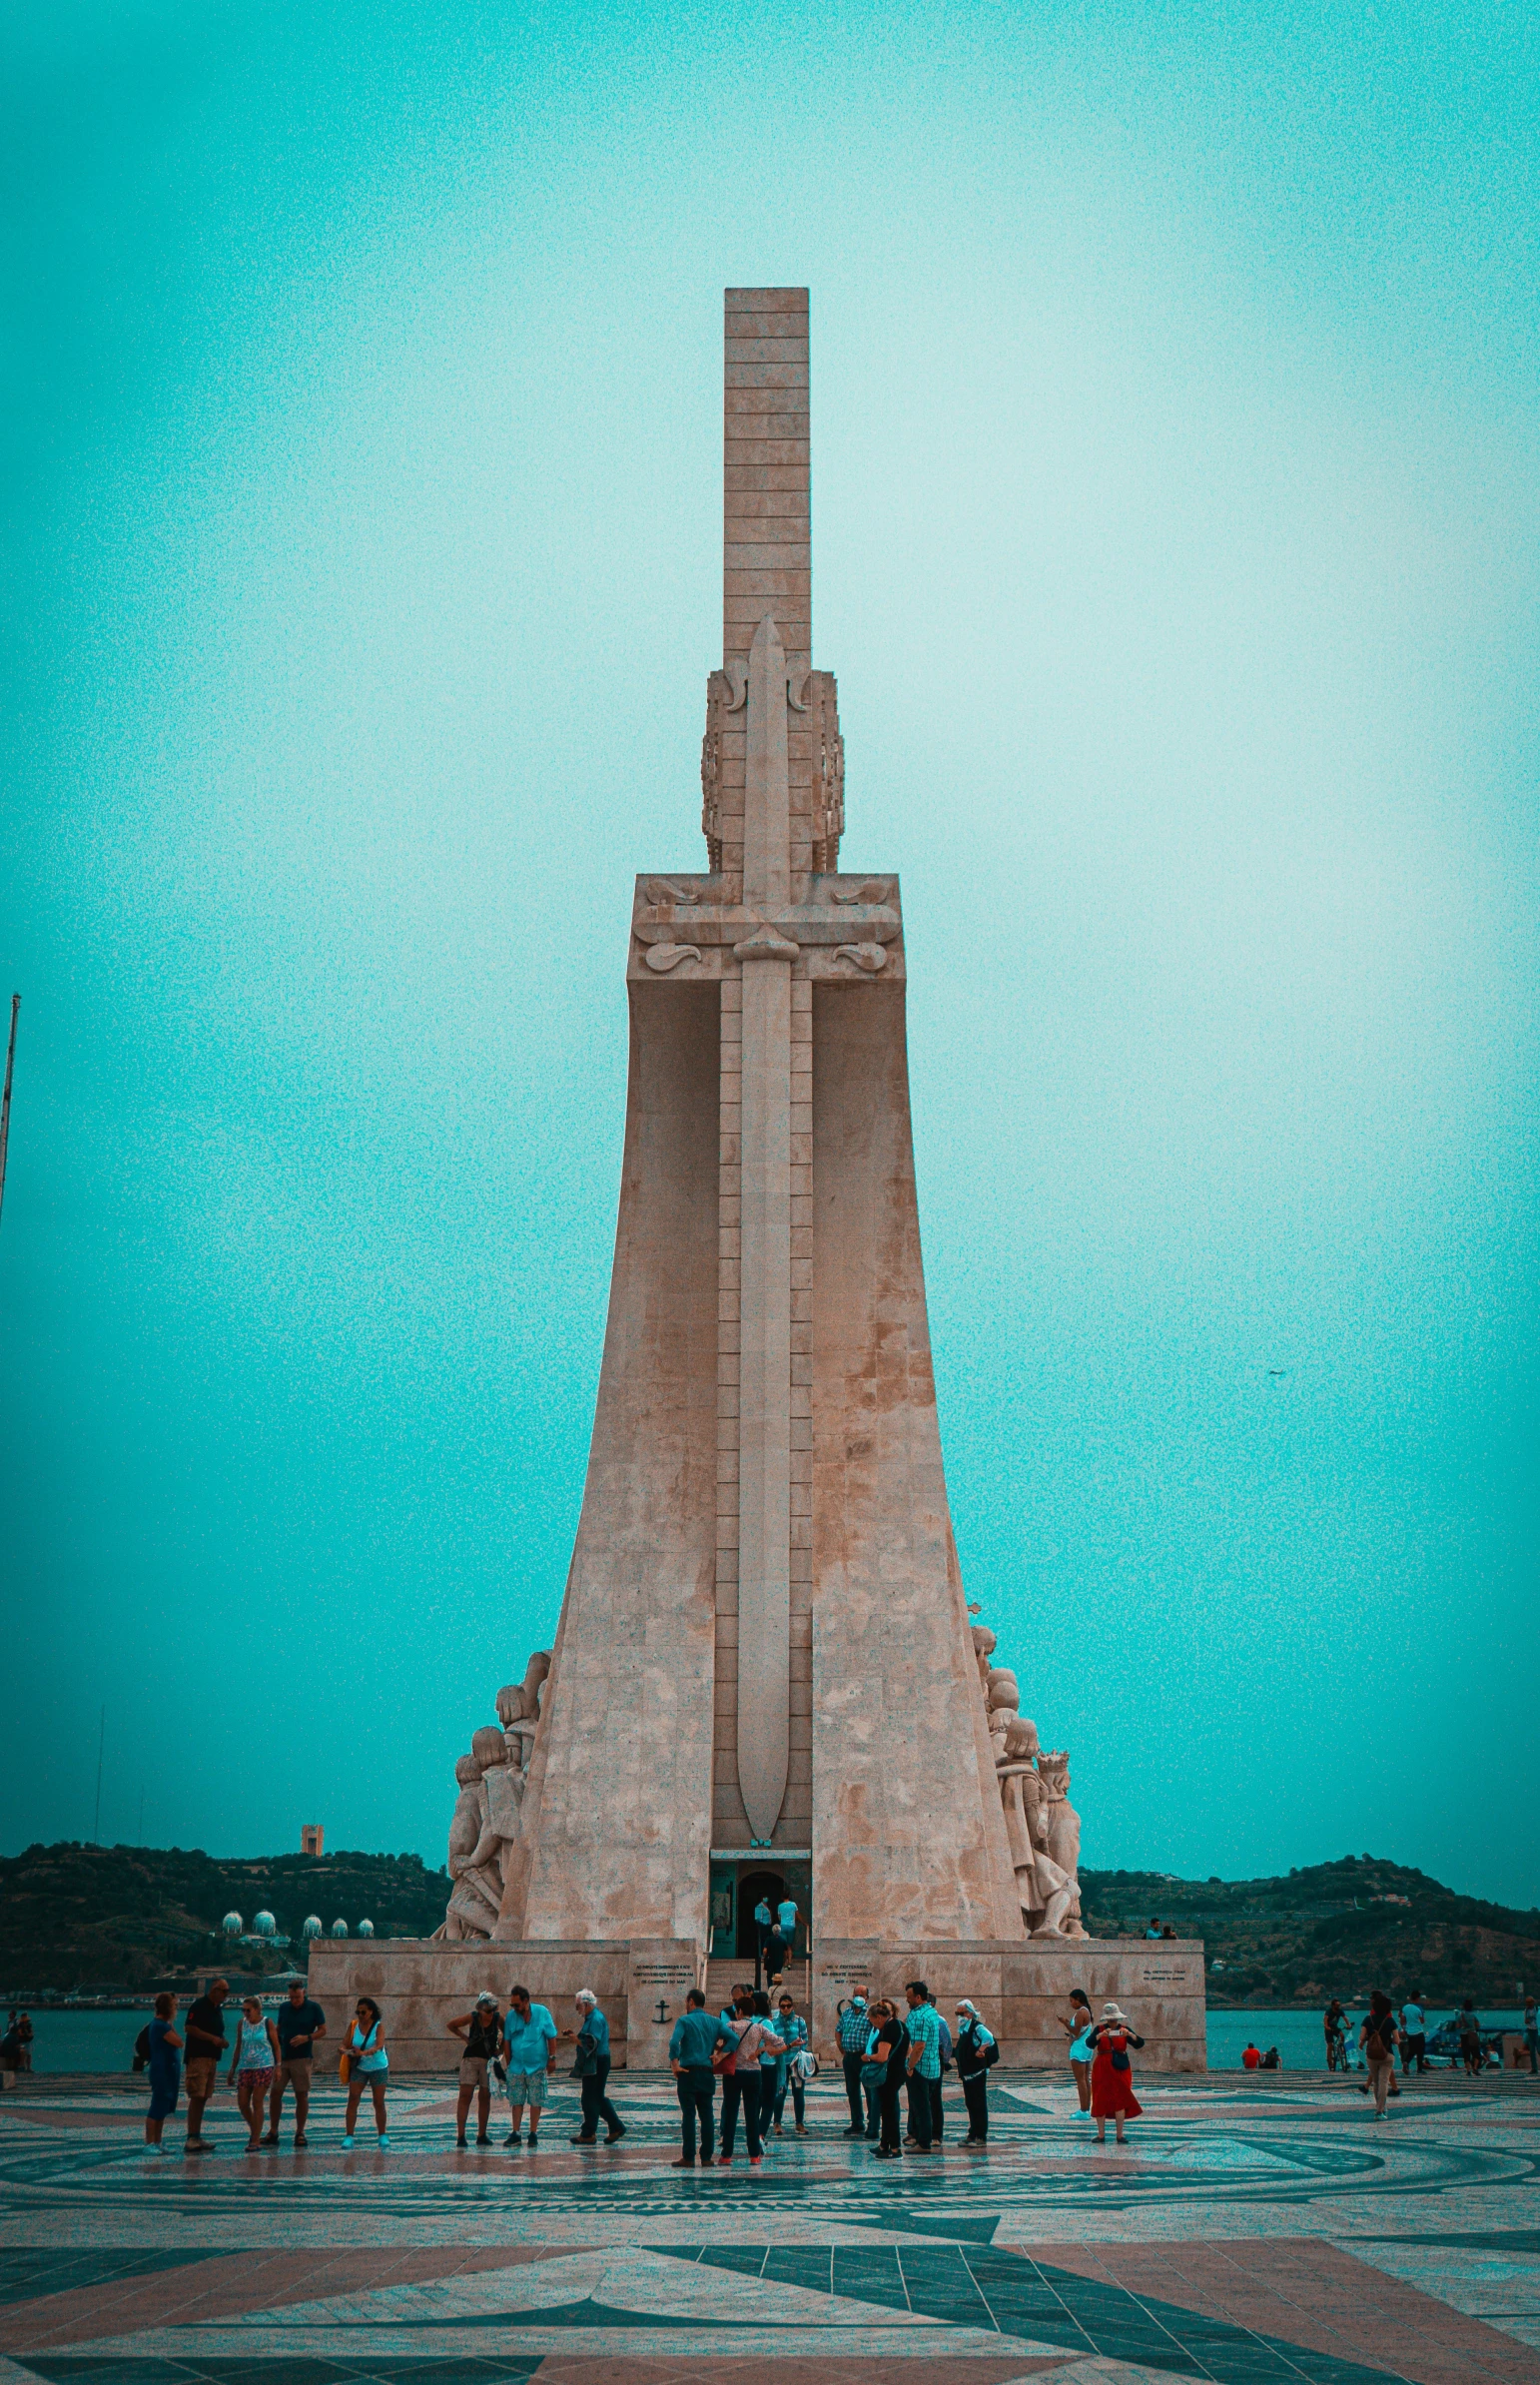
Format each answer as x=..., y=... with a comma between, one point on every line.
x=5, y=1098
x=101, y=1750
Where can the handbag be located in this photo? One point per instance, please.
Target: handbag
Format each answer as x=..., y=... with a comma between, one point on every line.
x=345, y=2066
x=873, y=2073
x=585, y=2063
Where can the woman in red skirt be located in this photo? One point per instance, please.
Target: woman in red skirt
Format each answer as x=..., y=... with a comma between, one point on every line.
x=1112, y=2072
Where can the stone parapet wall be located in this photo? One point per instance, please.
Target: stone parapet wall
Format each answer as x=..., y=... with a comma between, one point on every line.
x=1020, y=1989
x=420, y=1984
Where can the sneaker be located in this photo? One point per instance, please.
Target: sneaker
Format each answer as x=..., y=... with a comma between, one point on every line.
x=685, y=2162
x=853, y=2132
x=384, y=2142
x=533, y=2140
x=348, y=2143
x=755, y=2159
x=582, y=2140
x=724, y=2161
x=801, y=2131
x=199, y=2144
x=777, y=2126
x=516, y=2139
x=484, y=2141
x=460, y=2145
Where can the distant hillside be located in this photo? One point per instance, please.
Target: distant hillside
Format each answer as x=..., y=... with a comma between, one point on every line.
x=103, y=1917
x=1333, y=1929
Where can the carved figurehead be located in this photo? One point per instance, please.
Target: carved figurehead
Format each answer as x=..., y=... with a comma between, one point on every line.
x=518, y=1708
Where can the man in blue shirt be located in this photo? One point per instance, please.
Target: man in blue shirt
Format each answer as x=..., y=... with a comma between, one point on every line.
x=530, y=2049
x=854, y=2030
x=923, y=2064
x=592, y=2036
x=786, y=1920
x=697, y=2034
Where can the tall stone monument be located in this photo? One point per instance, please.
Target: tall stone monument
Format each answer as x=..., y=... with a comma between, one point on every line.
x=765, y=1675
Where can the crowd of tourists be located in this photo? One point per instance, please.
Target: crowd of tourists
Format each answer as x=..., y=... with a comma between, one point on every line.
x=896, y=2058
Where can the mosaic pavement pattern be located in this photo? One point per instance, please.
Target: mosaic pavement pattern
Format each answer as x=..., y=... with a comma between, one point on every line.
x=1252, y=2237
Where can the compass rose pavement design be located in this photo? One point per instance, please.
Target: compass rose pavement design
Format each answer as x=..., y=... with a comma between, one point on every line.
x=1252, y=2236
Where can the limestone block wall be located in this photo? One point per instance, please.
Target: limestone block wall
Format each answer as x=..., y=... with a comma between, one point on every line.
x=908, y=1829
x=617, y=1832
x=420, y=1984
x=1020, y=1989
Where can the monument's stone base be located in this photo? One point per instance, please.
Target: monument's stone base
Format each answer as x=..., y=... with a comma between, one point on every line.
x=1021, y=1987
x=421, y=1984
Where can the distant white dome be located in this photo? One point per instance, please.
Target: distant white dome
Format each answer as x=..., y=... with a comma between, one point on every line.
x=264, y=1925
x=311, y=1925
x=338, y=1929
x=366, y=1929
x=232, y=1924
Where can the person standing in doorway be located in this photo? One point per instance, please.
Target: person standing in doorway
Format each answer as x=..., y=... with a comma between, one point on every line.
x=206, y=2041
x=854, y=2030
x=165, y=2069
x=1077, y=2024
x=593, y=2058
x=299, y=2024
x=888, y=2058
x=696, y=2035
x=529, y=2054
x=253, y=2067
x=1377, y=2037
x=1112, y=2072
x=786, y=1918
x=793, y=2066
x=368, y=2065
x=1414, y=2033
x=922, y=2063
x=976, y=2053
x=479, y=2031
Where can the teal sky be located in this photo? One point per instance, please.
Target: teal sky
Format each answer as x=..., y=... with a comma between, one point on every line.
x=1176, y=545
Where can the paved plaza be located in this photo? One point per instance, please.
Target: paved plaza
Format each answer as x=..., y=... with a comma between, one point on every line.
x=1249, y=2233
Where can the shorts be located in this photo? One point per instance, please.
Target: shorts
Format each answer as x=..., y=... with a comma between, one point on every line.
x=527, y=2086
x=200, y=2072
x=297, y=2073
x=262, y=2080
x=473, y=2069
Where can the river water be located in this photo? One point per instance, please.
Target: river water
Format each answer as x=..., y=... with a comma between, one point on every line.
x=101, y=2042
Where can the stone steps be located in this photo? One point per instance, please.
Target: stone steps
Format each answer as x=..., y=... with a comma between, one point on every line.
x=723, y=1974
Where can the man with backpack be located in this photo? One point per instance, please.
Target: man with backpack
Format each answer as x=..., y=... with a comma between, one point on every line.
x=977, y=2055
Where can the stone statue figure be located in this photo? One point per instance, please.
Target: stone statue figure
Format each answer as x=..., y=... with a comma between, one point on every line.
x=487, y=1817
x=1060, y=1830
x=488, y=1813
x=1042, y=1827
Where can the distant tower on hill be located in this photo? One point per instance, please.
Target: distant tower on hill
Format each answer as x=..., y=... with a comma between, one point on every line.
x=311, y=1838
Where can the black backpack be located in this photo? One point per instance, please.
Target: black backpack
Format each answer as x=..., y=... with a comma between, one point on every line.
x=983, y=2058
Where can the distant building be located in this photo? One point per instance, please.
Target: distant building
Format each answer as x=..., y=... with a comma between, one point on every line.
x=311, y=1838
